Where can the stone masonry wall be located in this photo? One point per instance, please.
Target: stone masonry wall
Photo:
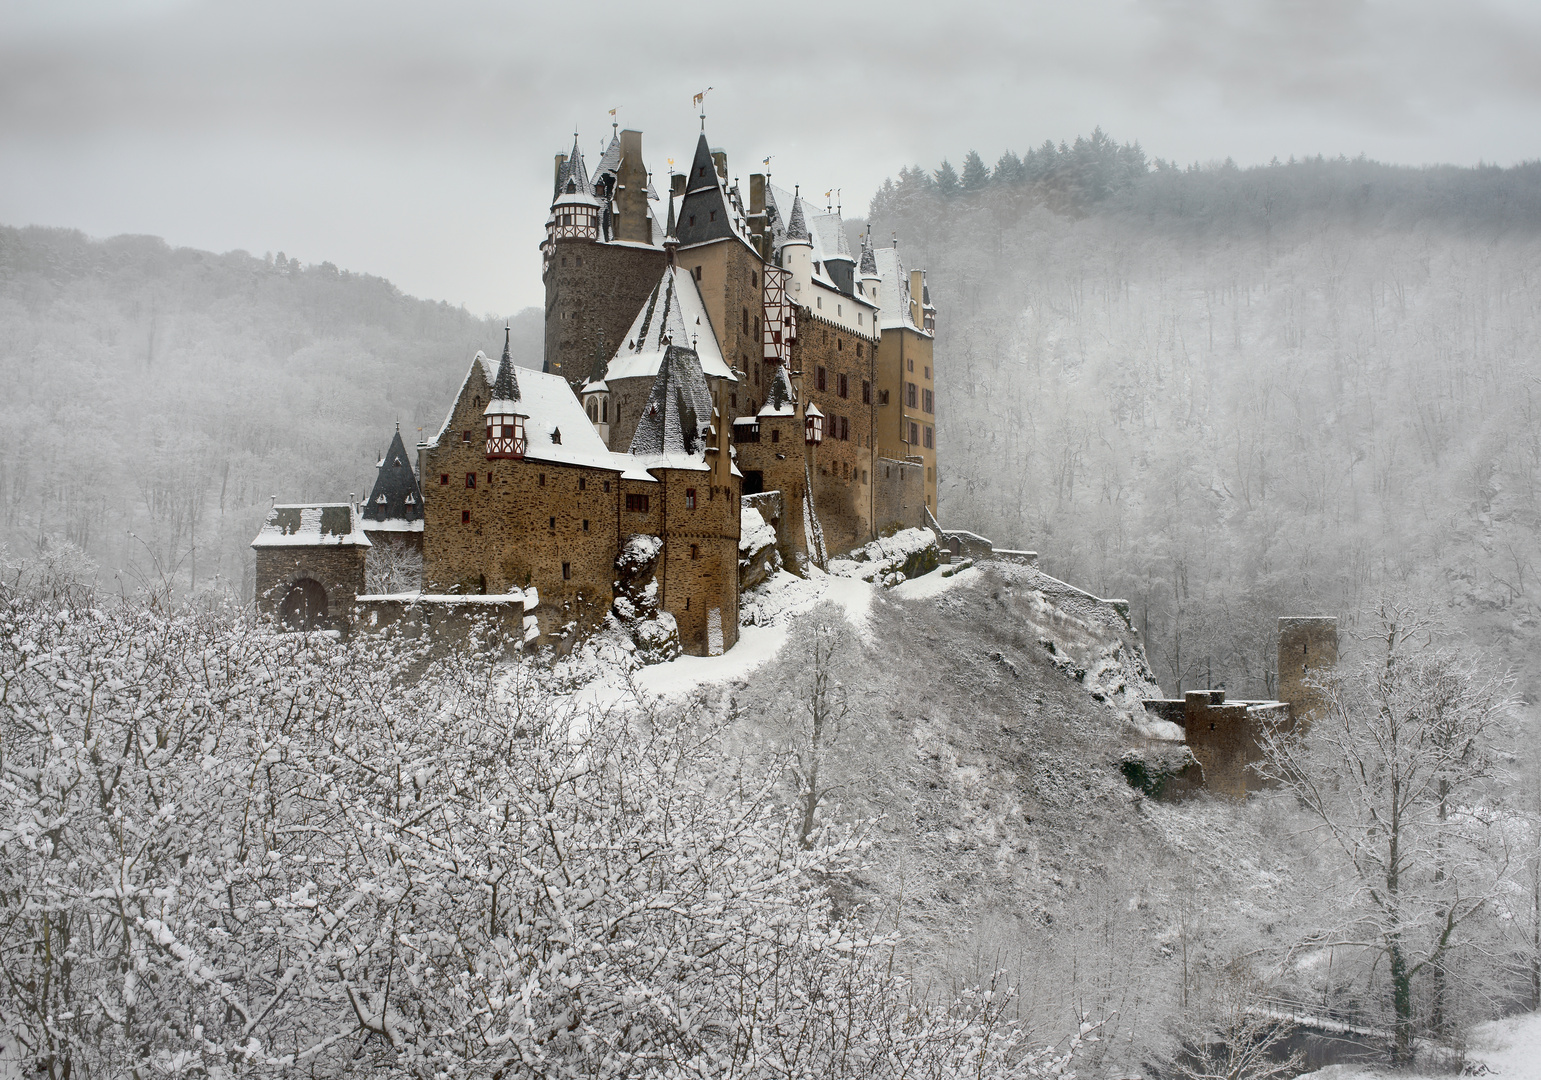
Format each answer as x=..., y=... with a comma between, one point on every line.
x=842, y=481
x=338, y=569
x=779, y=459
x=700, y=572
x=899, y=494
x=593, y=288
x=1308, y=648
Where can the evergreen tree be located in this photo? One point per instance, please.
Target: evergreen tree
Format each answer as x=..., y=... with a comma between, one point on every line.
x=947, y=184
x=976, y=175
x=1009, y=170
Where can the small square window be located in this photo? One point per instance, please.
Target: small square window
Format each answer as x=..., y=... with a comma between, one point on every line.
x=465, y=517
x=585, y=524
x=607, y=487
x=866, y=392
x=470, y=479
x=690, y=498
x=551, y=522
x=465, y=436
x=444, y=478
x=567, y=571
x=695, y=551
x=820, y=377
x=541, y=480
x=775, y=434
x=583, y=483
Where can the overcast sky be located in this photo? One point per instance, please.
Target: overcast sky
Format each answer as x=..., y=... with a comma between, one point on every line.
x=415, y=140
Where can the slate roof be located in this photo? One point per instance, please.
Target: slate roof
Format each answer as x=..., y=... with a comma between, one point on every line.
x=677, y=418
x=797, y=225
x=895, y=285
x=505, y=386
x=572, y=169
x=396, y=495
x=781, y=399
x=312, y=525
x=869, y=265
x=610, y=160
x=674, y=314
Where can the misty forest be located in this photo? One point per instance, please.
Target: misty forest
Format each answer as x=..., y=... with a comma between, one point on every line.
x=928, y=836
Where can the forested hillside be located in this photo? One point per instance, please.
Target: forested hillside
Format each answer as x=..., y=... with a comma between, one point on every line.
x=1233, y=394
x=156, y=398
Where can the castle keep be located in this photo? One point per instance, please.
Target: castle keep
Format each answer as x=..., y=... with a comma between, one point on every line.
x=702, y=344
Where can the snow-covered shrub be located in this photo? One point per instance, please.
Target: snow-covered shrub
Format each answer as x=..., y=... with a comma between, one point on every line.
x=225, y=851
x=890, y=560
x=392, y=566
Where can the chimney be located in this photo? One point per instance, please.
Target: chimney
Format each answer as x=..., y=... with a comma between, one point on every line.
x=917, y=292
x=556, y=175
x=631, y=192
x=720, y=159
x=677, y=185
x=757, y=193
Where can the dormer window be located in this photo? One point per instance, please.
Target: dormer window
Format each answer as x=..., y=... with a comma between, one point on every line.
x=380, y=501
x=411, y=500
x=556, y=436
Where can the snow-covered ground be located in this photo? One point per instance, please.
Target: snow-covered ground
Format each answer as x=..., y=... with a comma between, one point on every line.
x=1509, y=1048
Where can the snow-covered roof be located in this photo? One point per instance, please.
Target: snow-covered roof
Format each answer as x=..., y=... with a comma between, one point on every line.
x=312, y=525
x=677, y=419
x=396, y=496
x=396, y=525
x=895, y=285
x=829, y=240
x=673, y=314
x=781, y=398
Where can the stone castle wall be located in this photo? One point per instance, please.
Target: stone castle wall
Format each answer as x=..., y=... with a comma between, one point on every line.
x=593, y=289
x=338, y=569
x=841, y=467
x=1308, y=648
x=899, y=494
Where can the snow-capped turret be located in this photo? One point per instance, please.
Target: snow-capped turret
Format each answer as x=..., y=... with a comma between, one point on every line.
x=505, y=418
x=839, y=264
x=871, y=281
x=797, y=247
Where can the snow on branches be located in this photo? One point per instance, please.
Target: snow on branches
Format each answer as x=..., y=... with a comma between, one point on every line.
x=226, y=851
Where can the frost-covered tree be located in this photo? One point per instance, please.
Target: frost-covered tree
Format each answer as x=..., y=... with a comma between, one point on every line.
x=226, y=851
x=1395, y=775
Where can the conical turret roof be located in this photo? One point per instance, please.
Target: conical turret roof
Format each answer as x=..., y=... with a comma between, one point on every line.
x=677, y=418
x=797, y=224
x=396, y=495
x=505, y=388
x=573, y=174
x=869, y=262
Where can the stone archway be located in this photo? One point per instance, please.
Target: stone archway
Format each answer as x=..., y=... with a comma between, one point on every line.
x=303, y=606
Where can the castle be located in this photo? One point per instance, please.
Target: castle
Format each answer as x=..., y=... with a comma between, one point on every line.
x=705, y=347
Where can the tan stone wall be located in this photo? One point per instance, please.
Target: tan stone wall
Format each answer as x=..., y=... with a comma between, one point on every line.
x=781, y=464
x=526, y=523
x=339, y=570
x=899, y=494
x=1308, y=649
x=899, y=352
x=1224, y=737
x=730, y=282
x=593, y=288
x=841, y=468
x=696, y=584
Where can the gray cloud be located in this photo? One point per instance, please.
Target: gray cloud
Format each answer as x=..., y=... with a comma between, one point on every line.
x=415, y=140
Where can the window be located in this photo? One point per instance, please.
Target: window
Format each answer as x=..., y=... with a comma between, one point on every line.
x=746, y=433
x=733, y=401
x=858, y=344
x=882, y=397
x=637, y=504
x=757, y=374
x=866, y=392
x=604, y=410
x=845, y=469
x=818, y=302
x=756, y=324
x=690, y=498
x=819, y=378
x=930, y=442
x=775, y=434
x=465, y=436
x=444, y=478
x=711, y=215
x=914, y=433
x=858, y=323
x=556, y=436
x=746, y=320
x=583, y=483
x=843, y=388
x=909, y=394
x=411, y=501
x=470, y=479
x=477, y=401
x=585, y=524
x=695, y=551
x=489, y=479
x=698, y=271
x=845, y=429
x=754, y=280
x=928, y=371
x=864, y=476
x=607, y=487
x=911, y=363
x=541, y=480
x=927, y=401
x=580, y=260
x=693, y=221
x=465, y=517
x=567, y=571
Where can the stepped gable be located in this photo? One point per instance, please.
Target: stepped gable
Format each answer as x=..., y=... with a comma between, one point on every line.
x=674, y=314
x=781, y=398
x=396, y=497
x=677, y=419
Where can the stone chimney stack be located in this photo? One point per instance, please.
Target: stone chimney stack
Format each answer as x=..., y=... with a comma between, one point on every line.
x=632, y=221
x=556, y=174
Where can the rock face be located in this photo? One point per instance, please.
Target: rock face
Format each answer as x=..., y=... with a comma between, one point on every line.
x=758, y=557
x=655, y=632
x=906, y=554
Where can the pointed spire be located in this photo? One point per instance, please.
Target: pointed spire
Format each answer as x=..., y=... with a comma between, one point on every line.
x=869, y=262
x=573, y=171
x=797, y=224
x=703, y=170
x=505, y=387
x=671, y=236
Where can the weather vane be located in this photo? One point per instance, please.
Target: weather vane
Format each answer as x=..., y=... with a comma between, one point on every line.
x=700, y=101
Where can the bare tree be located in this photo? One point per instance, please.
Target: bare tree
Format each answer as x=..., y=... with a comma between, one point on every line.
x=1239, y=1037
x=825, y=707
x=1390, y=774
